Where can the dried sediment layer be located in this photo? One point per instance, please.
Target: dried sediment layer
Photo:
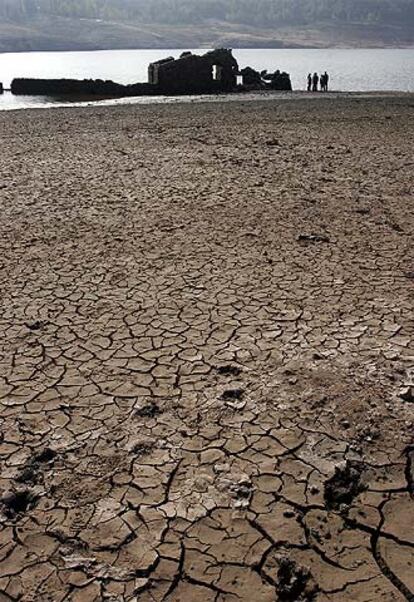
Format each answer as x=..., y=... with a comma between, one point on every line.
x=206, y=351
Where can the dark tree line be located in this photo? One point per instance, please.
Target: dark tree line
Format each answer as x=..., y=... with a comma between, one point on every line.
x=261, y=13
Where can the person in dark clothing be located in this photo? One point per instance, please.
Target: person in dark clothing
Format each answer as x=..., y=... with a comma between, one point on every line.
x=322, y=82
x=309, y=82
x=326, y=80
x=315, y=82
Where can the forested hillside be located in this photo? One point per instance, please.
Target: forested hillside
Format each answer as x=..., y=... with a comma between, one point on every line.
x=263, y=13
x=390, y=20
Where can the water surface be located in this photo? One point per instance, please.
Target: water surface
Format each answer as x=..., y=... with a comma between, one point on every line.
x=350, y=70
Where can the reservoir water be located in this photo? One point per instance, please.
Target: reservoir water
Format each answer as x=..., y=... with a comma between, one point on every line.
x=350, y=70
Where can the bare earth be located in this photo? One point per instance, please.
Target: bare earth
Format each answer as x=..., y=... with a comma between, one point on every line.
x=206, y=352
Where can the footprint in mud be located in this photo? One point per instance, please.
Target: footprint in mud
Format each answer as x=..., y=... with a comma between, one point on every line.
x=38, y=325
x=148, y=410
x=142, y=448
x=344, y=485
x=16, y=503
x=232, y=394
x=32, y=471
x=295, y=583
x=229, y=370
x=46, y=456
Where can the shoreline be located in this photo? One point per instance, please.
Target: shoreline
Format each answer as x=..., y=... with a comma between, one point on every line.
x=205, y=46
x=256, y=96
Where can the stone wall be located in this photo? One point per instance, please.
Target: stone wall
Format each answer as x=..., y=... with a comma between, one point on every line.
x=214, y=72
x=74, y=87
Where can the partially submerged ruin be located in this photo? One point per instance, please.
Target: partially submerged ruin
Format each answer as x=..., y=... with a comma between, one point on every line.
x=255, y=80
x=215, y=72
x=211, y=73
x=78, y=88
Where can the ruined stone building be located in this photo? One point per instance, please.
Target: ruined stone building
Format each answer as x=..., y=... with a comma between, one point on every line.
x=215, y=71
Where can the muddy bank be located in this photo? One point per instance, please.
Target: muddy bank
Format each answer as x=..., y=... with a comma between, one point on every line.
x=207, y=352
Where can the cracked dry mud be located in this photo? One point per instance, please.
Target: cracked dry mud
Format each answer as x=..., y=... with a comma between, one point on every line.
x=206, y=362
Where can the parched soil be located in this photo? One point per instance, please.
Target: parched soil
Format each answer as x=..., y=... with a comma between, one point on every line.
x=206, y=354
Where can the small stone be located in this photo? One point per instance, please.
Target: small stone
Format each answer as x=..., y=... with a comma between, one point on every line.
x=313, y=238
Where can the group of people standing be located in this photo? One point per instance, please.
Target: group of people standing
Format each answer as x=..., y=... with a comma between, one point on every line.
x=315, y=80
